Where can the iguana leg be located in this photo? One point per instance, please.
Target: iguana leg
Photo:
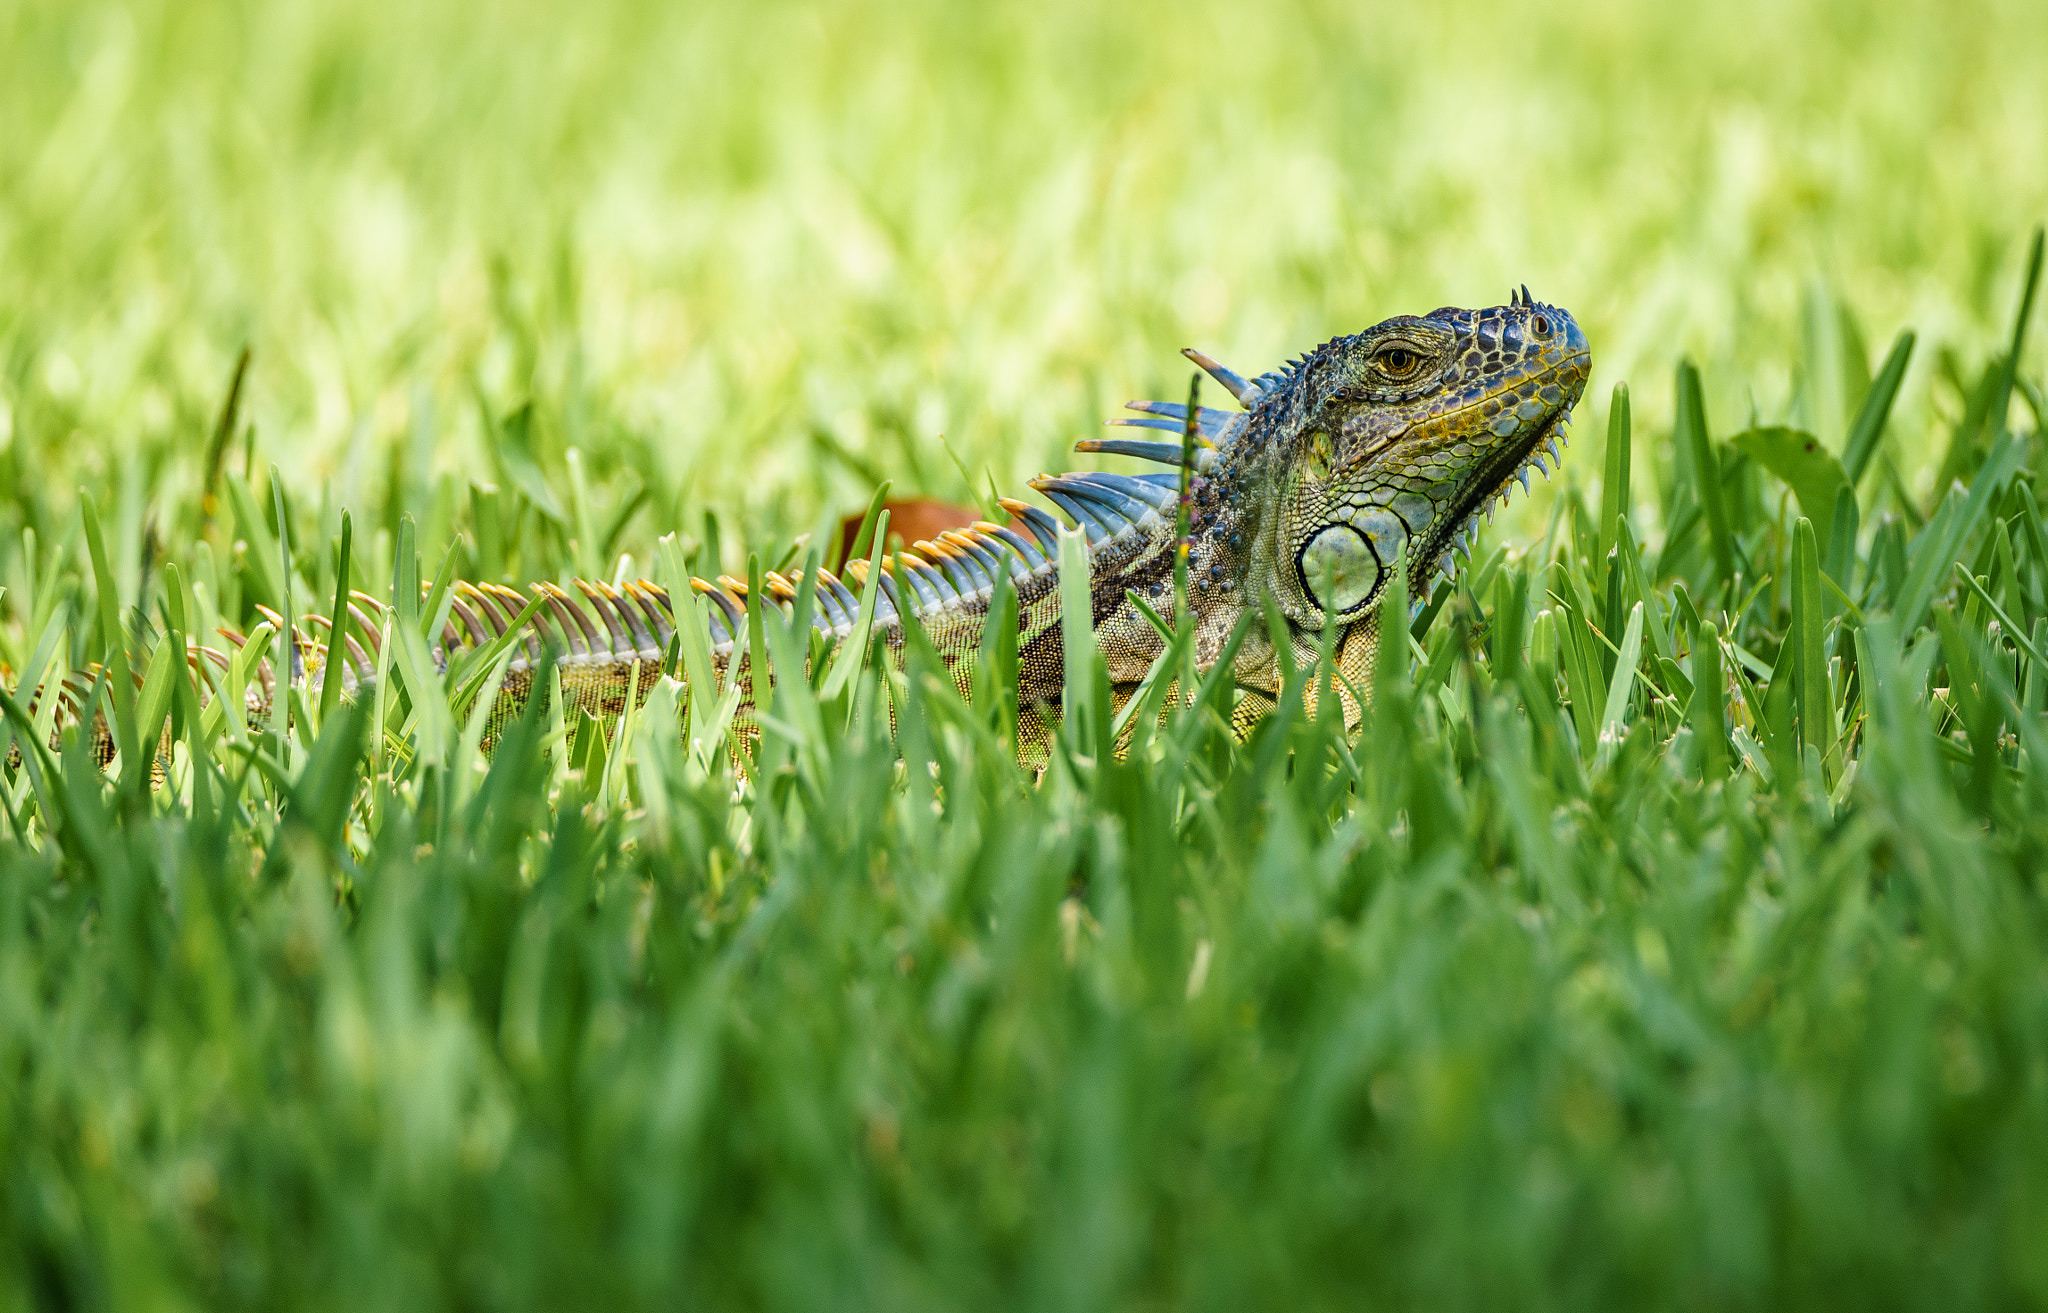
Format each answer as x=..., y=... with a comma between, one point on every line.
x=1252, y=707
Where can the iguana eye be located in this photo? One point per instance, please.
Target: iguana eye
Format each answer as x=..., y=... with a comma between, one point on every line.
x=1319, y=457
x=1398, y=361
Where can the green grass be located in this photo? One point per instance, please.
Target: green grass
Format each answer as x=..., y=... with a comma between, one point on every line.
x=1674, y=935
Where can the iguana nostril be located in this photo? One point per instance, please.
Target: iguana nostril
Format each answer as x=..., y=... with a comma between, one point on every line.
x=1338, y=560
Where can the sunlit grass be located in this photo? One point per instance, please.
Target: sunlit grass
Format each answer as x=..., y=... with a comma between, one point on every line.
x=1672, y=934
x=689, y=232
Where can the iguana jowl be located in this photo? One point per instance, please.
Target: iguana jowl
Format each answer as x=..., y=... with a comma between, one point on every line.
x=1382, y=445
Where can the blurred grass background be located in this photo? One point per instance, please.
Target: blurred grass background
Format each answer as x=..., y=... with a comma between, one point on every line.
x=759, y=256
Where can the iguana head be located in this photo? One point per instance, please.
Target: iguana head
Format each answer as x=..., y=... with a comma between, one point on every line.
x=1380, y=447
x=1388, y=442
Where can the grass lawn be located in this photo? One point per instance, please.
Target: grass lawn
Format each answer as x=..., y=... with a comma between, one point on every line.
x=1673, y=935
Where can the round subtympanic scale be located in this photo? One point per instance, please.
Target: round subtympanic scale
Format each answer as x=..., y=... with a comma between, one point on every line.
x=1340, y=562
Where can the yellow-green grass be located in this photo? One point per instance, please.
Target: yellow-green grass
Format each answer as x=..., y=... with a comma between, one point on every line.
x=1672, y=936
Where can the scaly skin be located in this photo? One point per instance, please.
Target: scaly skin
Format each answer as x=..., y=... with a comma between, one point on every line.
x=1393, y=439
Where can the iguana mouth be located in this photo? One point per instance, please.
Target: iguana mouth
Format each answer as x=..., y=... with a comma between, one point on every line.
x=1497, y=471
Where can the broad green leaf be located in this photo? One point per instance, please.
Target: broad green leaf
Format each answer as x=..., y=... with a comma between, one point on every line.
x=1807, y=467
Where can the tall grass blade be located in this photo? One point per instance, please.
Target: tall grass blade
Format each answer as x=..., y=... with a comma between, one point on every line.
x=1077, y=643
x=1708, y=710
x=1614, y=485
x=1867, y=431
x=1815, y=709
x=852, y=654
x=1622, y=686
x=1706, y=469
x=337, y=626
x=113, y=635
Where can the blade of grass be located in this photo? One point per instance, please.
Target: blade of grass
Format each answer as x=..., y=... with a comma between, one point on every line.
x=866, y=545
x=760, y=675
x=466, y=673
x=1077, y=642
x=1940, y=544
x=337, y=628
x=1614, y=485
x=1708, y=710
x=435, y=732
x=1143, y=706
x=112, y=633
x=223, y=429
x=441, y=598
x=1656, y=625
x=1621, y=686
x=405, y=573
x=286, y=662
x=692, y=627
x=853, y=649
x=154, y=704
x=2011, y=627
x=998, y=651
x=1868, y=429
x=1706, y=468
x=585, y=561
x=1809, y=667
x=261, y=557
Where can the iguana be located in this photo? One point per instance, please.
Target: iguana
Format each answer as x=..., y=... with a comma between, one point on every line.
x=1379, y=446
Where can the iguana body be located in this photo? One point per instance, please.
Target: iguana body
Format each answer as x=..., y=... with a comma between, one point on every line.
x=1368, y=447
